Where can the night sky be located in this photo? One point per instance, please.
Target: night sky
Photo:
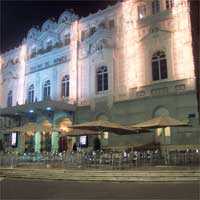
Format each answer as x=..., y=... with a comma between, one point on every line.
x=17, y=17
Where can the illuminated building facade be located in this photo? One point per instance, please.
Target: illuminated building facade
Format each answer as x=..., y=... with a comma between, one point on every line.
x=127, y=63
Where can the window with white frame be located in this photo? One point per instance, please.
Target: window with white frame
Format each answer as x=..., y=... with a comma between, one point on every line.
x=155, y=6
x=9, y=98
x=102, y=78
x=31, y=94
x=47, y=90
x=142, y=11
x=65, y=86
x=159, y=66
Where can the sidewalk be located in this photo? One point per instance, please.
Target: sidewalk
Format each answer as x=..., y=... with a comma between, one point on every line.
x=139, y=174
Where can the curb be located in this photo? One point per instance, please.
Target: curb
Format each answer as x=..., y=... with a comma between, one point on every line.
x=100, y=175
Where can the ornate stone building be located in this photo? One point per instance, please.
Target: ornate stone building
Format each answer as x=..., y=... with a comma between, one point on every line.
x=127, y=63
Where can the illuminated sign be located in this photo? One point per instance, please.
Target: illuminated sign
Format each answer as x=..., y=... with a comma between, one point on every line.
x=14, y=139
x=83, y=140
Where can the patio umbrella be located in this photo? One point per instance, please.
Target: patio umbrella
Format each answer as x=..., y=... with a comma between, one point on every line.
x=104, y=125
x=76, y=132
x=161, y=122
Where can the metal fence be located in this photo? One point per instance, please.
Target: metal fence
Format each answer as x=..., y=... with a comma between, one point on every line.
x=102, y=160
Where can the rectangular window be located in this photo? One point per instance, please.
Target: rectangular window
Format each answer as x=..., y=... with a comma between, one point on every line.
x=92, y=30
x=67, y=39
x=30, y=97
x=163, y=69
x=99, y=83
x=67, y=92
x=1, y=123
x=105, y=84
x=83, y=35
x=111, y=24
x=46, y=93
x=142, y=12
x=155, y=70
x=155, y=6
x=169, y=4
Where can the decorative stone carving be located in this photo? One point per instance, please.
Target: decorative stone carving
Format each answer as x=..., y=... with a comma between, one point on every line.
x=49, y=25
x=99, y=45
x=32, y=34
x=67, y=17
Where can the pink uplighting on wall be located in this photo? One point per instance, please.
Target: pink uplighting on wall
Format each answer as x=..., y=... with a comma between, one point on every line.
x=21, y=83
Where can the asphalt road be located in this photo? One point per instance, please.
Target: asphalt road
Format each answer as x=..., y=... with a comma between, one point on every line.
x=37, y=189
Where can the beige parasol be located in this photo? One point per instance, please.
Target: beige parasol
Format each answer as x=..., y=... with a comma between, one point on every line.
x=76, y=132
x=160, y=122
x=104, y=125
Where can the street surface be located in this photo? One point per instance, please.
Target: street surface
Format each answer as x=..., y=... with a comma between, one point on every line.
x=40, y=189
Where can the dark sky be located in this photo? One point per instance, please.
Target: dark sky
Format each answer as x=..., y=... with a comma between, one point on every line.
x=17, y=17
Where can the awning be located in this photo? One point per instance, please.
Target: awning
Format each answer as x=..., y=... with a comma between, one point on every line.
x=37, y=107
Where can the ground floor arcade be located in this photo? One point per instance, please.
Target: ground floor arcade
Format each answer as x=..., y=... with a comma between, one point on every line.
x=181, y=106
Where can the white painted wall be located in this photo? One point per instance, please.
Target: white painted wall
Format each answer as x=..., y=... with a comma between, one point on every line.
x=131, y=45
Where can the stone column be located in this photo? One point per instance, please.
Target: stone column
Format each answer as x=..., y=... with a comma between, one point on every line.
x=37, y=142
x=54, y=142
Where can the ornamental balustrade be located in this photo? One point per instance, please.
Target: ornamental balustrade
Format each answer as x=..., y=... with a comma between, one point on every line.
x=42, y=51
x=56, y=61
x=163, y=88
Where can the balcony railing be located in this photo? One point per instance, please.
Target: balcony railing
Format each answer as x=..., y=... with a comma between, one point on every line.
x=163, y=88
x=45, y=65
x=49, y=48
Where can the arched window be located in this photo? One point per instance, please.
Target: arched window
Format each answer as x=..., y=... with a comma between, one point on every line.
x=142, y=11
x=47, y=90
x=159, y=66
x=155, y=6
x=9, y=98
x=65, y=86
x=31, y=94
x=169, y=4
x=102, y=78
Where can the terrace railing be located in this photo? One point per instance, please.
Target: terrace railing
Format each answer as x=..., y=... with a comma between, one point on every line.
x=102, y=160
